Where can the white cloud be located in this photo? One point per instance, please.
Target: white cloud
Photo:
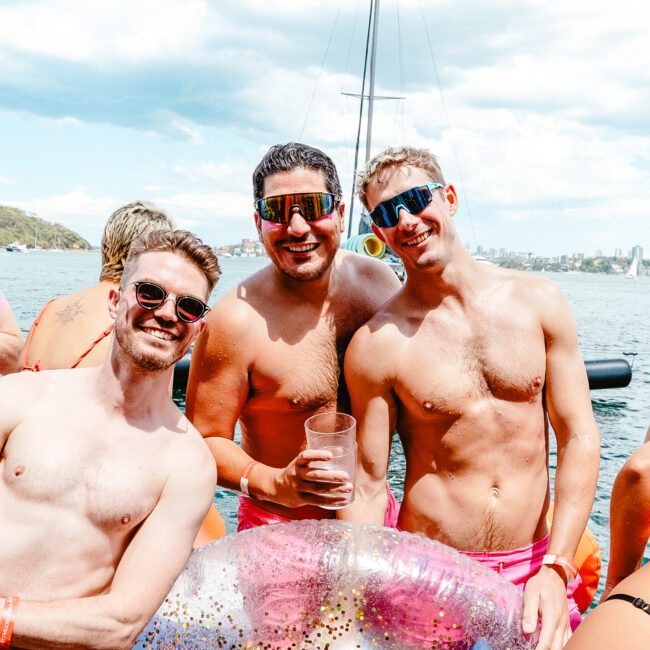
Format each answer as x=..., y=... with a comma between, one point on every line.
x=77, y=208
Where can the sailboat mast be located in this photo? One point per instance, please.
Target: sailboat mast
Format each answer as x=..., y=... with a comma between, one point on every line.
x=371, y=88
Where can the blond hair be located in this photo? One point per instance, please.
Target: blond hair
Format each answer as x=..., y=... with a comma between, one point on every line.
x=181, y=242
x=122, y=227
x=398, y=157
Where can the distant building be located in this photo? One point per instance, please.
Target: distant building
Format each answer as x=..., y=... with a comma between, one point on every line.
x=598, y=254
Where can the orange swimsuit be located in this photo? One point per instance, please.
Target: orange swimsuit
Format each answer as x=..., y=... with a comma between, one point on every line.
x=36, y=367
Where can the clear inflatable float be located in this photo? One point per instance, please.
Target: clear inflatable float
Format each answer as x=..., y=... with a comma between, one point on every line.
x=331, y=585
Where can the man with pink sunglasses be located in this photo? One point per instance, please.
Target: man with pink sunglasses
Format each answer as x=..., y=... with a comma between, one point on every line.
x=469, y=362
x=272, y=351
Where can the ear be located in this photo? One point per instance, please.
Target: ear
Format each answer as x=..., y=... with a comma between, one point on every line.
x=342, y=217
x=113, y=300
x=377, y=232
x=452, y=199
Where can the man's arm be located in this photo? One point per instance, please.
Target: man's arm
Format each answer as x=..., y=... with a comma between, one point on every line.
x=373, y=406
x=217, y=390
x=629, y=519
x=144, y=576
x=11, y=338
x=578, y=457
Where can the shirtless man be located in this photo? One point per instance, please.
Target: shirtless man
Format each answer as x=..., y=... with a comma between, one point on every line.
x=271, y=354
x=11, y=338
x=465, y=362
x=104, y=485
x=73, y=331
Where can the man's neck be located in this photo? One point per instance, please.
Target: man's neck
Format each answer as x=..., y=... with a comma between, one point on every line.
x=131, y=391
x=458, y=279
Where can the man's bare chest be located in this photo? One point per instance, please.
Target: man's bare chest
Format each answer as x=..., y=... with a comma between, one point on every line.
x=300, y=374
x=444, y=372
x=84, y=469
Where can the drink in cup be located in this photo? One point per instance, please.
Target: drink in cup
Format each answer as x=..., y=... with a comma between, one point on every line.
x=336, y=433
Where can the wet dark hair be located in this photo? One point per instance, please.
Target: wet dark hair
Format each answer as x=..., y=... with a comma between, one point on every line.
x=294, y=155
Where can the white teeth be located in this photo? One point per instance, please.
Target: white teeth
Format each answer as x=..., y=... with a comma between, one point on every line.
x=301, y=248
x=159, y=334
x=418, y=240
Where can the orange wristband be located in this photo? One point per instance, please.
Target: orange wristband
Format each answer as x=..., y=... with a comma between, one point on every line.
x=569, y=568
x=243, y=481
x=7, y=620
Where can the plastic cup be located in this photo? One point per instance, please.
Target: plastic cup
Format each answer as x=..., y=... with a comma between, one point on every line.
x=331, y=430
x=336, y=433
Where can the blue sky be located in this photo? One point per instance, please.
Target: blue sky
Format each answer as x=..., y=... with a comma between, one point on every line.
x=540, y=119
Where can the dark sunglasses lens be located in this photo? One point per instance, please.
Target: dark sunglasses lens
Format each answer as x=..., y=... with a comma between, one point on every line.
x=315, y=206
x=417, y=199
x=190, y=309
x=385, y=215
x=149, y=295
x=272, y=209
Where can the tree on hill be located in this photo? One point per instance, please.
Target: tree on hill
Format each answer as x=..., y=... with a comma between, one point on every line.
x=16, y=225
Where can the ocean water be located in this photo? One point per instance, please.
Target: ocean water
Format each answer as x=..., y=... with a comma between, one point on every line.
x=612, y=315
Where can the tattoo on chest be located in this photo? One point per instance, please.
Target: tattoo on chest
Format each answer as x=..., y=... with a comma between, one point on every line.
x=70, y=312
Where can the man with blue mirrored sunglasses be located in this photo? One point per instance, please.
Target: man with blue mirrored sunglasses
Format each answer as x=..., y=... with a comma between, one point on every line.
x=466, y=362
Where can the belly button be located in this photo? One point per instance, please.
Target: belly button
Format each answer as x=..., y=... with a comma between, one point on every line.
x=126, y=519
x=495, y=492
x=20, y=470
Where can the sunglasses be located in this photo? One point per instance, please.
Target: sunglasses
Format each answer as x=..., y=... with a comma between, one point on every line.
x=312, y=205
x=386, y=214
x=151, y=296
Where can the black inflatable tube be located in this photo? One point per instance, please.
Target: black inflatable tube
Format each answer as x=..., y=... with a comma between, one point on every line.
x=602, y=373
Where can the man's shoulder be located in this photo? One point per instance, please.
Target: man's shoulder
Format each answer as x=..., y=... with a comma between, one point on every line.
x=189, y=452
x=366, y=274
x=526, y=286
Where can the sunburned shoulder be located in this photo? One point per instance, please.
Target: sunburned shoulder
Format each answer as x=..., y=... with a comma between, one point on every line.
x=366, y=267
x=237, y=307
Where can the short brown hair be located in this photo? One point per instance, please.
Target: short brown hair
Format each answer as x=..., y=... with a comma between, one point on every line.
x=122, y=227
x=181, y=242
x=398, y=157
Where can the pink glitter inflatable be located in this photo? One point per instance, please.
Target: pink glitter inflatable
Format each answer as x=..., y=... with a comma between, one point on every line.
x=327, y=585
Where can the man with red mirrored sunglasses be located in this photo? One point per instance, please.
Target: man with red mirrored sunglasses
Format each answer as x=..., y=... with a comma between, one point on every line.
x=465, y=362
x=271, y=354
x=103, y=481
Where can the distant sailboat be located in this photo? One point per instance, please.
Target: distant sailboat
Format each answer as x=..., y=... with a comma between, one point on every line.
x=633, y=271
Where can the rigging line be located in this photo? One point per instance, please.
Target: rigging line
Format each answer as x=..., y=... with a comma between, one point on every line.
x=347, y=67
x=402, y=76
x=322, y=65
x=363, y=92
x=444, y=109
x=354, y=29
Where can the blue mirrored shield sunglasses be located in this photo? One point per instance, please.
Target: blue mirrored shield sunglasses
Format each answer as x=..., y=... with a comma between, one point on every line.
x=386, y=214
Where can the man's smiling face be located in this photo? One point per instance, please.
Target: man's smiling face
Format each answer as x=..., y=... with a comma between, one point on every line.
x=154, y=339
x=303, y=250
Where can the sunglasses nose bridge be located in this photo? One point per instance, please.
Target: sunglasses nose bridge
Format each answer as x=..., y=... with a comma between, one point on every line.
x=297, y=221
x=167, y=308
